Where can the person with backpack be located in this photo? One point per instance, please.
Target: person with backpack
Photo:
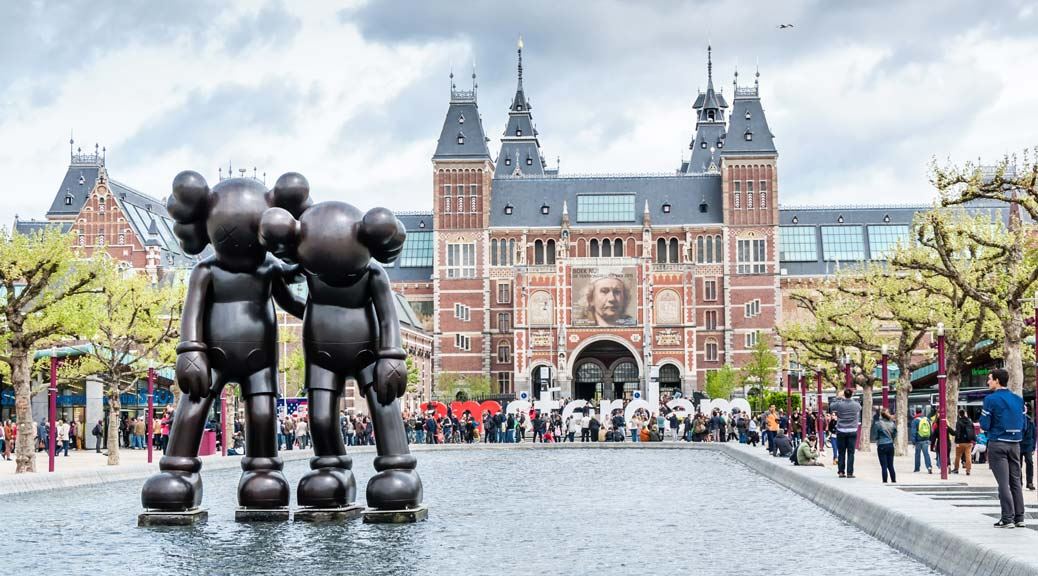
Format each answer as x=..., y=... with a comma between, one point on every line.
x=965, y=435
x=920, y=436
x=1004, y=420
x=884, y=432
x=96, y=433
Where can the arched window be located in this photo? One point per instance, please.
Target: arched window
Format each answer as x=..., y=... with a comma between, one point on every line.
x=670, y=377
x=700, y=250
x=550, y=252
x=661, y=251
x=493, y=252
x=674, y=250
x=625, y=371
x=618, y=248
x=718, y=250
x=593, y=248
x=607, y=248
x=504, y=353
x=538, y=252
x=589, y=372
x=709, y=250
x=511, y=252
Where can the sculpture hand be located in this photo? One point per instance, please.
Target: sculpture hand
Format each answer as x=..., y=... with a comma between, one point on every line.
x=390, y=380
x=193, y=373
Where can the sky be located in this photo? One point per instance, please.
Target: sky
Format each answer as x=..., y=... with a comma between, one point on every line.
x=861, y=96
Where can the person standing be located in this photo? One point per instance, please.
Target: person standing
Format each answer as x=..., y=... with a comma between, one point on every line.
x=98, y=430
x=1003, y=419
x=884, y=433
x=919, y=434
x=585, y=426
x=1027, y=451
x=964, y=437
x=771, y=427
x=848, y=414
x=63, y=436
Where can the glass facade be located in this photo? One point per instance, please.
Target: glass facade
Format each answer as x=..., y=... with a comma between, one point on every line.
x=843, y=243
x=418, y=250
x=605, y=208
x=883, y=240
x=797, y=244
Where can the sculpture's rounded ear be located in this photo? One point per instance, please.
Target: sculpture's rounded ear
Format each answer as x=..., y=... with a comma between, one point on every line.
x=291, y=192
x=383, y=234
x=279, y=232
x=189, y=207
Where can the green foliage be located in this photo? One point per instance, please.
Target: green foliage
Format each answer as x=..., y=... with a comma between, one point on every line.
x=454, y=386
x=413, y=382
x=721, y=383
x=763, y=363
x=761, y=402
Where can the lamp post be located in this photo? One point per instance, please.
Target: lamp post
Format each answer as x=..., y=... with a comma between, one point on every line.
x=149, y=418
x=884, y=359
x=803, y=404
x=847, y=381
x=52, y=410
x=223, y=421
x=942, y=403
x=790, y=375
x=819, y=421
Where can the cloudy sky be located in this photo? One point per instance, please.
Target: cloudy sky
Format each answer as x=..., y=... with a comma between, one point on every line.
x=860, y=95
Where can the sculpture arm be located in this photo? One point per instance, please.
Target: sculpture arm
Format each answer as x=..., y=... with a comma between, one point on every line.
x=192, y=319
x=385, y=310
x=288, y=300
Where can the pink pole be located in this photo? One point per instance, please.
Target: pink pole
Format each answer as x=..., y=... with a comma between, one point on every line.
x=149, y=418
x=942, y=404
x=820, y=421
x=223, y=421
x=52, y=411
x=803, y=406
x=886, y=383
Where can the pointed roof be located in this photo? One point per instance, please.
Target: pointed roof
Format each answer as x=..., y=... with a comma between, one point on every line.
x=520, y=153
x=711, y=99
x=79, y=181
x=462, y=136
x=748, y=131
x=710, y=133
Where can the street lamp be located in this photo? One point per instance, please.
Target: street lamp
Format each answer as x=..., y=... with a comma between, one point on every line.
x=847, y=381
x=884, y=360
x=942, y=403
x=819, y=422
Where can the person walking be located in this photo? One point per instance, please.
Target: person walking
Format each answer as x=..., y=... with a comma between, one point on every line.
x=965, y=435
x=1003, y=419
x=63, y=436
x=919, y=434
x=1027, y=451
x=848, y=415
x=884, y=433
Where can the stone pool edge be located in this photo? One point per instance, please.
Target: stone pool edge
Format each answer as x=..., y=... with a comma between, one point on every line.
x=909, y=525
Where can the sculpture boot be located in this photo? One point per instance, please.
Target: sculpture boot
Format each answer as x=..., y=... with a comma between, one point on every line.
x=328, y=484
x=397, y=485
x=262, y=484
x=177, y=487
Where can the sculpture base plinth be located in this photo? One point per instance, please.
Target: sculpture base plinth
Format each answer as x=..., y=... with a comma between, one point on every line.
x=261, y=515
x=327, y=514
x=180, y=518
x=406, y=516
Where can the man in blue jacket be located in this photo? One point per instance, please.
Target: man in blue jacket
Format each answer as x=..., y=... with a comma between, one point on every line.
x=1003, y=420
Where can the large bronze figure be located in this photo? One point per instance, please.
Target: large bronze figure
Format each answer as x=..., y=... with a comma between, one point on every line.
x=228, y=334
x=350, y=330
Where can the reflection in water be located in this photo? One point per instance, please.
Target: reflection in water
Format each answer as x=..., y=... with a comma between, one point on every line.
x=546, y=512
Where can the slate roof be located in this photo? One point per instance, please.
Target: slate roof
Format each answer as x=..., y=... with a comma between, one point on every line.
x=713, y=135
x=462, y=119
x=33, y=226
x=738, y=126
x=79, y=180
x=684, y=192
x=151, y=223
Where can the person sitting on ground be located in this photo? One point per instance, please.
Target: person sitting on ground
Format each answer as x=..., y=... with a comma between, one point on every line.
x=783, y=447
x=807, y=453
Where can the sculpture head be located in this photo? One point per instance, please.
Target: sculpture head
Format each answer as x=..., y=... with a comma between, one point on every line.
x=228, y=216
x=333, y=240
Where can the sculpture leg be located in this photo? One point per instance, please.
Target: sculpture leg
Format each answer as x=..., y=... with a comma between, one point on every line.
x=330, y=482
x=262, y=483
x=178, y=485
x=397, y=485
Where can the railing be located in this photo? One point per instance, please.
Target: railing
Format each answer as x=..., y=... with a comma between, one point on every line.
x=585, y=175
x=463, y=94
x=672, y=267
x=745, y=91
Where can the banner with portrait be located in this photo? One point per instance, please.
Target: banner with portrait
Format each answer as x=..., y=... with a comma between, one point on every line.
x=605, y=296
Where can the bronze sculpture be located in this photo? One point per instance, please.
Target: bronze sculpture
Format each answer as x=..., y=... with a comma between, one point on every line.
x=228, y=334
x=350, y=330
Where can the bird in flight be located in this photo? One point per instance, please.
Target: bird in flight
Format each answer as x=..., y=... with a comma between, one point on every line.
x=784, y=26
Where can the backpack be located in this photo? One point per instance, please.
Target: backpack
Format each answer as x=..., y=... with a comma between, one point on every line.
x=97, y=430
x=971, y=433
x=924, y=429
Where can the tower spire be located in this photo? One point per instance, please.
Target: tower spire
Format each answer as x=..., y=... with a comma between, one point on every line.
x=709, y=67
x=520, y=51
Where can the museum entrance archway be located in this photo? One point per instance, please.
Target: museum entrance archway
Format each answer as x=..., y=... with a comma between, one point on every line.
x=670, y=380
x=605, y=369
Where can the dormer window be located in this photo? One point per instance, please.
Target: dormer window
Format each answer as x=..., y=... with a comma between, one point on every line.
x=720, y=143
x=518, y=106
x=68, y=200
x=666, y=207
x=796, y=220
x=702, y=144
x=82, y=180
x=421, y=223
x=461, y=139
x=508, y=161
x=703, y=207
x=747, y=114
x=461, y=119
x=886, y=219
x=529, y=161
x=710, y=115
x=509, y=209
x=749, y=135
x=518, y=131
x=839, y=219
x=545, y=209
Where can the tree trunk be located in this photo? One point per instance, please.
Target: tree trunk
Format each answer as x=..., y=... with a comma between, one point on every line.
x=866, y=418
x=25, y=445
x=228, y=418
x=114, y=408
x=951, y=393
x=904, y=386
x=1013, y=348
